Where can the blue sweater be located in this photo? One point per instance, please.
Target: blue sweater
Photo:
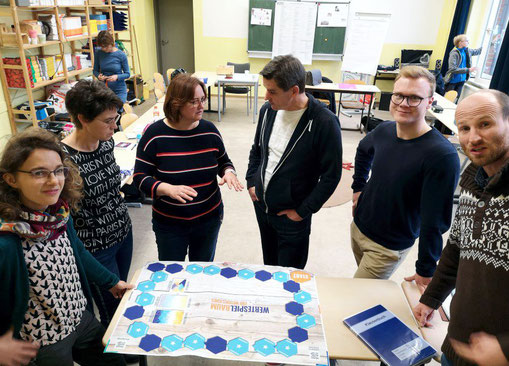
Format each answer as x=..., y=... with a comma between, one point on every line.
x=113, y=63
x=410, y=191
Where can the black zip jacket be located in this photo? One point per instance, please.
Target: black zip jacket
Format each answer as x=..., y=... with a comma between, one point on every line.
x=310, y=168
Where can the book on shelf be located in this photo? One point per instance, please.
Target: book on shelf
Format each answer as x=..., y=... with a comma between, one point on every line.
x=391, y=339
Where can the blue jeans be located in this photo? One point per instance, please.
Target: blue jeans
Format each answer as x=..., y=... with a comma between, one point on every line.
x=117, y=259
x=199, y=236
x=444, y=361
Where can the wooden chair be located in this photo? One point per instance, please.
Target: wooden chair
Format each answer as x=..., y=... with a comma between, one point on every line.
x=159, y=94
x=127, y=108
x=168, y=74
x=159, y=79
x=160, y=86
x=127, y=119
x=451, y=95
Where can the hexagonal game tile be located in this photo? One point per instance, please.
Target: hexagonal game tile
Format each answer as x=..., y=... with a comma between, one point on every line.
x=291, y=286
x=137, y=329
x=238, y=346
x=306, y=321
x=263, y=275
x=302, y=297
x=194, y=269
x=174, y=268
x=246, y=274
x=159, y=276
x=297, y=334
x=150, y=342
x=144, y=286
x=211, y=270
x=228, y=272
x=281, y=276
x=264, y=346
x=286, y=348
x=154, y=267
x=134, y=312
x=294, y=308
x=172, y=343
x=145, y=299
x=195, y=341
x=216, y=345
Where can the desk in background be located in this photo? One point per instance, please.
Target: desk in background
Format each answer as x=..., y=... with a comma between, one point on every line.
x=447, y=116
x=238, y=80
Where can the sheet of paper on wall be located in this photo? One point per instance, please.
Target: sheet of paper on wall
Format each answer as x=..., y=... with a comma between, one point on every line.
x=294, y=30
x=332, y=15
x=260, y=16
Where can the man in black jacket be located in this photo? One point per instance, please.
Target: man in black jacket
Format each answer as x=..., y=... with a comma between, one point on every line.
x=294, y=163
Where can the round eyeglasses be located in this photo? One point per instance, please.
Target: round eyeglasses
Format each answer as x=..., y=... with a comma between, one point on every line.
x=412, y=100
x=59, y=172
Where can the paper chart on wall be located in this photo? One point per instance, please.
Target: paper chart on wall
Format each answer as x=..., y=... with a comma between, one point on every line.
x=260, y=16
x=294, y=30
x=332, y=15
x=223, y=311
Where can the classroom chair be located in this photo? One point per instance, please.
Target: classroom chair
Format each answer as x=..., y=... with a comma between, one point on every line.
x=127, y=108
x=168, y=75
x=159, y=94
x=238, y=69
x=127, y=119
x=451, y=95
x=314, y=77
x=362, y=103
x=159, y=79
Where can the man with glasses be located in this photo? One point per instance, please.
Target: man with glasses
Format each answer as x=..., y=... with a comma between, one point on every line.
x=409, y=195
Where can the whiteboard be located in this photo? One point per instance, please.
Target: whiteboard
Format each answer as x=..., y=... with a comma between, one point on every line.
x=365, y=39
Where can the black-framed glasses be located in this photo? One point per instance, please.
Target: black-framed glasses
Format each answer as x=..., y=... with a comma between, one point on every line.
x=114, y=120
x=59, y=172
x=412, y=100
x=197, y=101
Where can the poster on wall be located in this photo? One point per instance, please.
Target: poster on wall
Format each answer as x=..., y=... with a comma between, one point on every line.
x=332, y=15
x=261, y=16
x=223, y=311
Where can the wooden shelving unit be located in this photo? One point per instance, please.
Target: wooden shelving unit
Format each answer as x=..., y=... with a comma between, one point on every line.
x=14, y=12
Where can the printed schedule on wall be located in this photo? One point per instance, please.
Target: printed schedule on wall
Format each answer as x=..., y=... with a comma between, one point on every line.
x=224, y=311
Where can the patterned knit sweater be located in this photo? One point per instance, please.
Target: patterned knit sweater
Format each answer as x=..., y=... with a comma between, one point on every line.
x=476, y=262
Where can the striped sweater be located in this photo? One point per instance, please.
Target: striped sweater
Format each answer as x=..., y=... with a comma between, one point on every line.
x=192, y=158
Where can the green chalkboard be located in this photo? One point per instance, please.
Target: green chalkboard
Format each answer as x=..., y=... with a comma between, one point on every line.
x=328, y=40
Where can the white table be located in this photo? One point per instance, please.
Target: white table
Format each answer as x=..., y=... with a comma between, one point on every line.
x=447, y=116
x=238, y=80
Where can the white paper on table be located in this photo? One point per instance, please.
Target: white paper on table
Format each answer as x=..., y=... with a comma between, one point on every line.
x=294, y=30
x=332, y=15
x=260, y=16
x=365, y=39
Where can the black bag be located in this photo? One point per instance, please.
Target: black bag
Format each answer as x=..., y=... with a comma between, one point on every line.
x=372, y=122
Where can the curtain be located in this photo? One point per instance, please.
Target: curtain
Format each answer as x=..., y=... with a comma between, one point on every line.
x=500, y=78
x=458, y=26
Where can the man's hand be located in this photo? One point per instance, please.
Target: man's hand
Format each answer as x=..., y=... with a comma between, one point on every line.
x=178, y=193
x=14, y=352
x=120, y=288
x=483, y=350
x=291, y=214
x=252, y=194
x=422, y=282
x=231, y=180
x=472, y=69
x=423, y=314
x=355, y=199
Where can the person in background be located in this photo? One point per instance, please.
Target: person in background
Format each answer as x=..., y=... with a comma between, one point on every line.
x=460, y=64
x=44, y=268
x=111, y=66
x=102, y=222
x=475, y=260
x=177, y=162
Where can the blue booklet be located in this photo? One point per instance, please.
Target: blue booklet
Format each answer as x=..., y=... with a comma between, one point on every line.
x=387, y=336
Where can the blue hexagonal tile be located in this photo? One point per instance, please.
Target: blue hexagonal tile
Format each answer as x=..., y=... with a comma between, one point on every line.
x=302, y=297
x=228, y=272
x=281, y=276
x=134, y=312
x=144, y=286
x=174, y=268
x=172, y=343
x=137, y=329
x=159, y=276
x=291, y=286
x=194, y=268
x=286, y=348
x=264, y=346
x=145, y=298
x=154, y=267
x=297, y=334
x=216, y=345
x=246, y=274
x=211, y=270
x=263, y=275
x=294, y=308
x=306, y=321
x=150, y=342
x=195, y=341
x=238, y=346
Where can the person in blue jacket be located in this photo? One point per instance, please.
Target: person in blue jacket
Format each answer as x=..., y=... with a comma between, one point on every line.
x=44, y=267
x=111, y=66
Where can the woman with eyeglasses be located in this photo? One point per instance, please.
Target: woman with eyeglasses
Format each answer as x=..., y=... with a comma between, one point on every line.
x=177, y=161
x=44, y=268
x=103, y=222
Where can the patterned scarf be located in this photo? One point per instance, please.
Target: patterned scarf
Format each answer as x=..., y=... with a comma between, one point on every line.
x=37, y=225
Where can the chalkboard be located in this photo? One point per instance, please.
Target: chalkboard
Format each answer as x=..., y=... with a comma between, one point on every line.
x=328, y=40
